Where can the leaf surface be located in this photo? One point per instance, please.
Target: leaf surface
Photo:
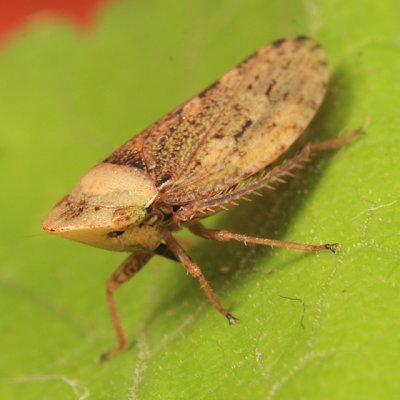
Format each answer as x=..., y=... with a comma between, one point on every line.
x=311, y=326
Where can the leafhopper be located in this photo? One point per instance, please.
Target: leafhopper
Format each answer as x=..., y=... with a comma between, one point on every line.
x=203, y=156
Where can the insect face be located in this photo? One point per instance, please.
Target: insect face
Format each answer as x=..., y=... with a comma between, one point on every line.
x=106, y=208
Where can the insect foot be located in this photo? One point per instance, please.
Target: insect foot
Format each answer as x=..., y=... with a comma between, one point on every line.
x=334, y=247
x=231, y=319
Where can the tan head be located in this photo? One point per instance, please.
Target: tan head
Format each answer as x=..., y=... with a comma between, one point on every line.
x=106, y=208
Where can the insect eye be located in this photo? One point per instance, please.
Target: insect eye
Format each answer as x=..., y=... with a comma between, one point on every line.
x=115, y=234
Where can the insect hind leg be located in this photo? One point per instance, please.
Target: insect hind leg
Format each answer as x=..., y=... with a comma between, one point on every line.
x=332, y=144
x=226, y=236
x=265, y=179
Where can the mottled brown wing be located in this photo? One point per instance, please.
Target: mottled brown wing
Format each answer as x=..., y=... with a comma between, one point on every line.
x=236, y=127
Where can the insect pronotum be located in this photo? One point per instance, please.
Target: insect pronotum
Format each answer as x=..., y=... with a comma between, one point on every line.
x=203, y=156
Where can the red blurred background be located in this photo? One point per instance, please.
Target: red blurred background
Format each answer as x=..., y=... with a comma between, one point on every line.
x=15, y=14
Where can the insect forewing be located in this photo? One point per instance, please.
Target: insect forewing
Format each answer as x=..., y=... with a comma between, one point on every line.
x=237, y=126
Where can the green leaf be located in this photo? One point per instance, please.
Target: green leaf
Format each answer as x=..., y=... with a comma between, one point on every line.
x=311, y=326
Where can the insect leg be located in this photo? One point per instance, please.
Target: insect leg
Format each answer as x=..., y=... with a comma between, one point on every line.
x=278, y=174
x=195, y=271
x=333, y=144
x=225, y=236
x=125, y=271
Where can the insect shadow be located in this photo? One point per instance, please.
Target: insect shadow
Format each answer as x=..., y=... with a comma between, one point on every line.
x=269, y=216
